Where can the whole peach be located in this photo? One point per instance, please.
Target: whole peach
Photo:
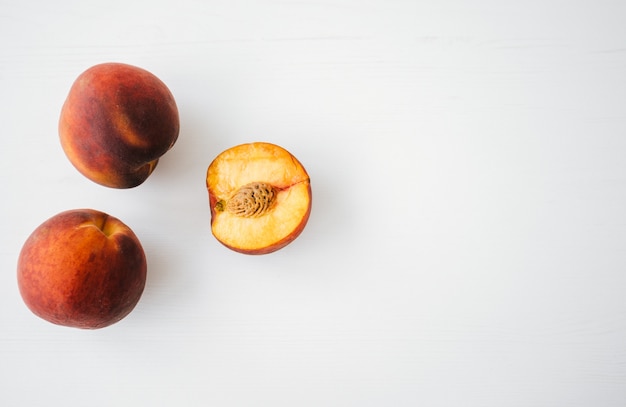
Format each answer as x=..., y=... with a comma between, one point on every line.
x=82, y=268
x=116, y=122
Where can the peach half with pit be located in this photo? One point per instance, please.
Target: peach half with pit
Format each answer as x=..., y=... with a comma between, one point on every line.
x=260, y=197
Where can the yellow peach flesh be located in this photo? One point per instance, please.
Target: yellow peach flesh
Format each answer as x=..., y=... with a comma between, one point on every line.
x=266, y=163
x=266, y=230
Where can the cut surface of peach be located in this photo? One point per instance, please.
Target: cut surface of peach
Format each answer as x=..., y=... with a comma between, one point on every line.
x=260, y=197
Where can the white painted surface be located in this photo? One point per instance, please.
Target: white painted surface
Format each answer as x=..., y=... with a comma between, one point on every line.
x=467, y=244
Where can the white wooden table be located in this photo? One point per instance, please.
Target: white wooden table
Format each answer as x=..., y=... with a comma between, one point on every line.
x=467, y=243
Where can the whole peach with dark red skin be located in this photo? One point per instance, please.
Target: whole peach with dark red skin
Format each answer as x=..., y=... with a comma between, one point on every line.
x=116, y=122
x=82, y=268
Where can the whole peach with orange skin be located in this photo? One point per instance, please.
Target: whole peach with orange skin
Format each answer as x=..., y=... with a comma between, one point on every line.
x=82, y=268
x=116, y=122
x=260, y=197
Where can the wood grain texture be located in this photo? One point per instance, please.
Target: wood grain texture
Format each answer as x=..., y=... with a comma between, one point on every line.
x=466, y=242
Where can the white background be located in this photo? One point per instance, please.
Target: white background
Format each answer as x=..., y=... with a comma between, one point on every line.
x=467, y=243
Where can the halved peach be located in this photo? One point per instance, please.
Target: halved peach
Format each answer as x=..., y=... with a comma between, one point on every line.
x=260, y=197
